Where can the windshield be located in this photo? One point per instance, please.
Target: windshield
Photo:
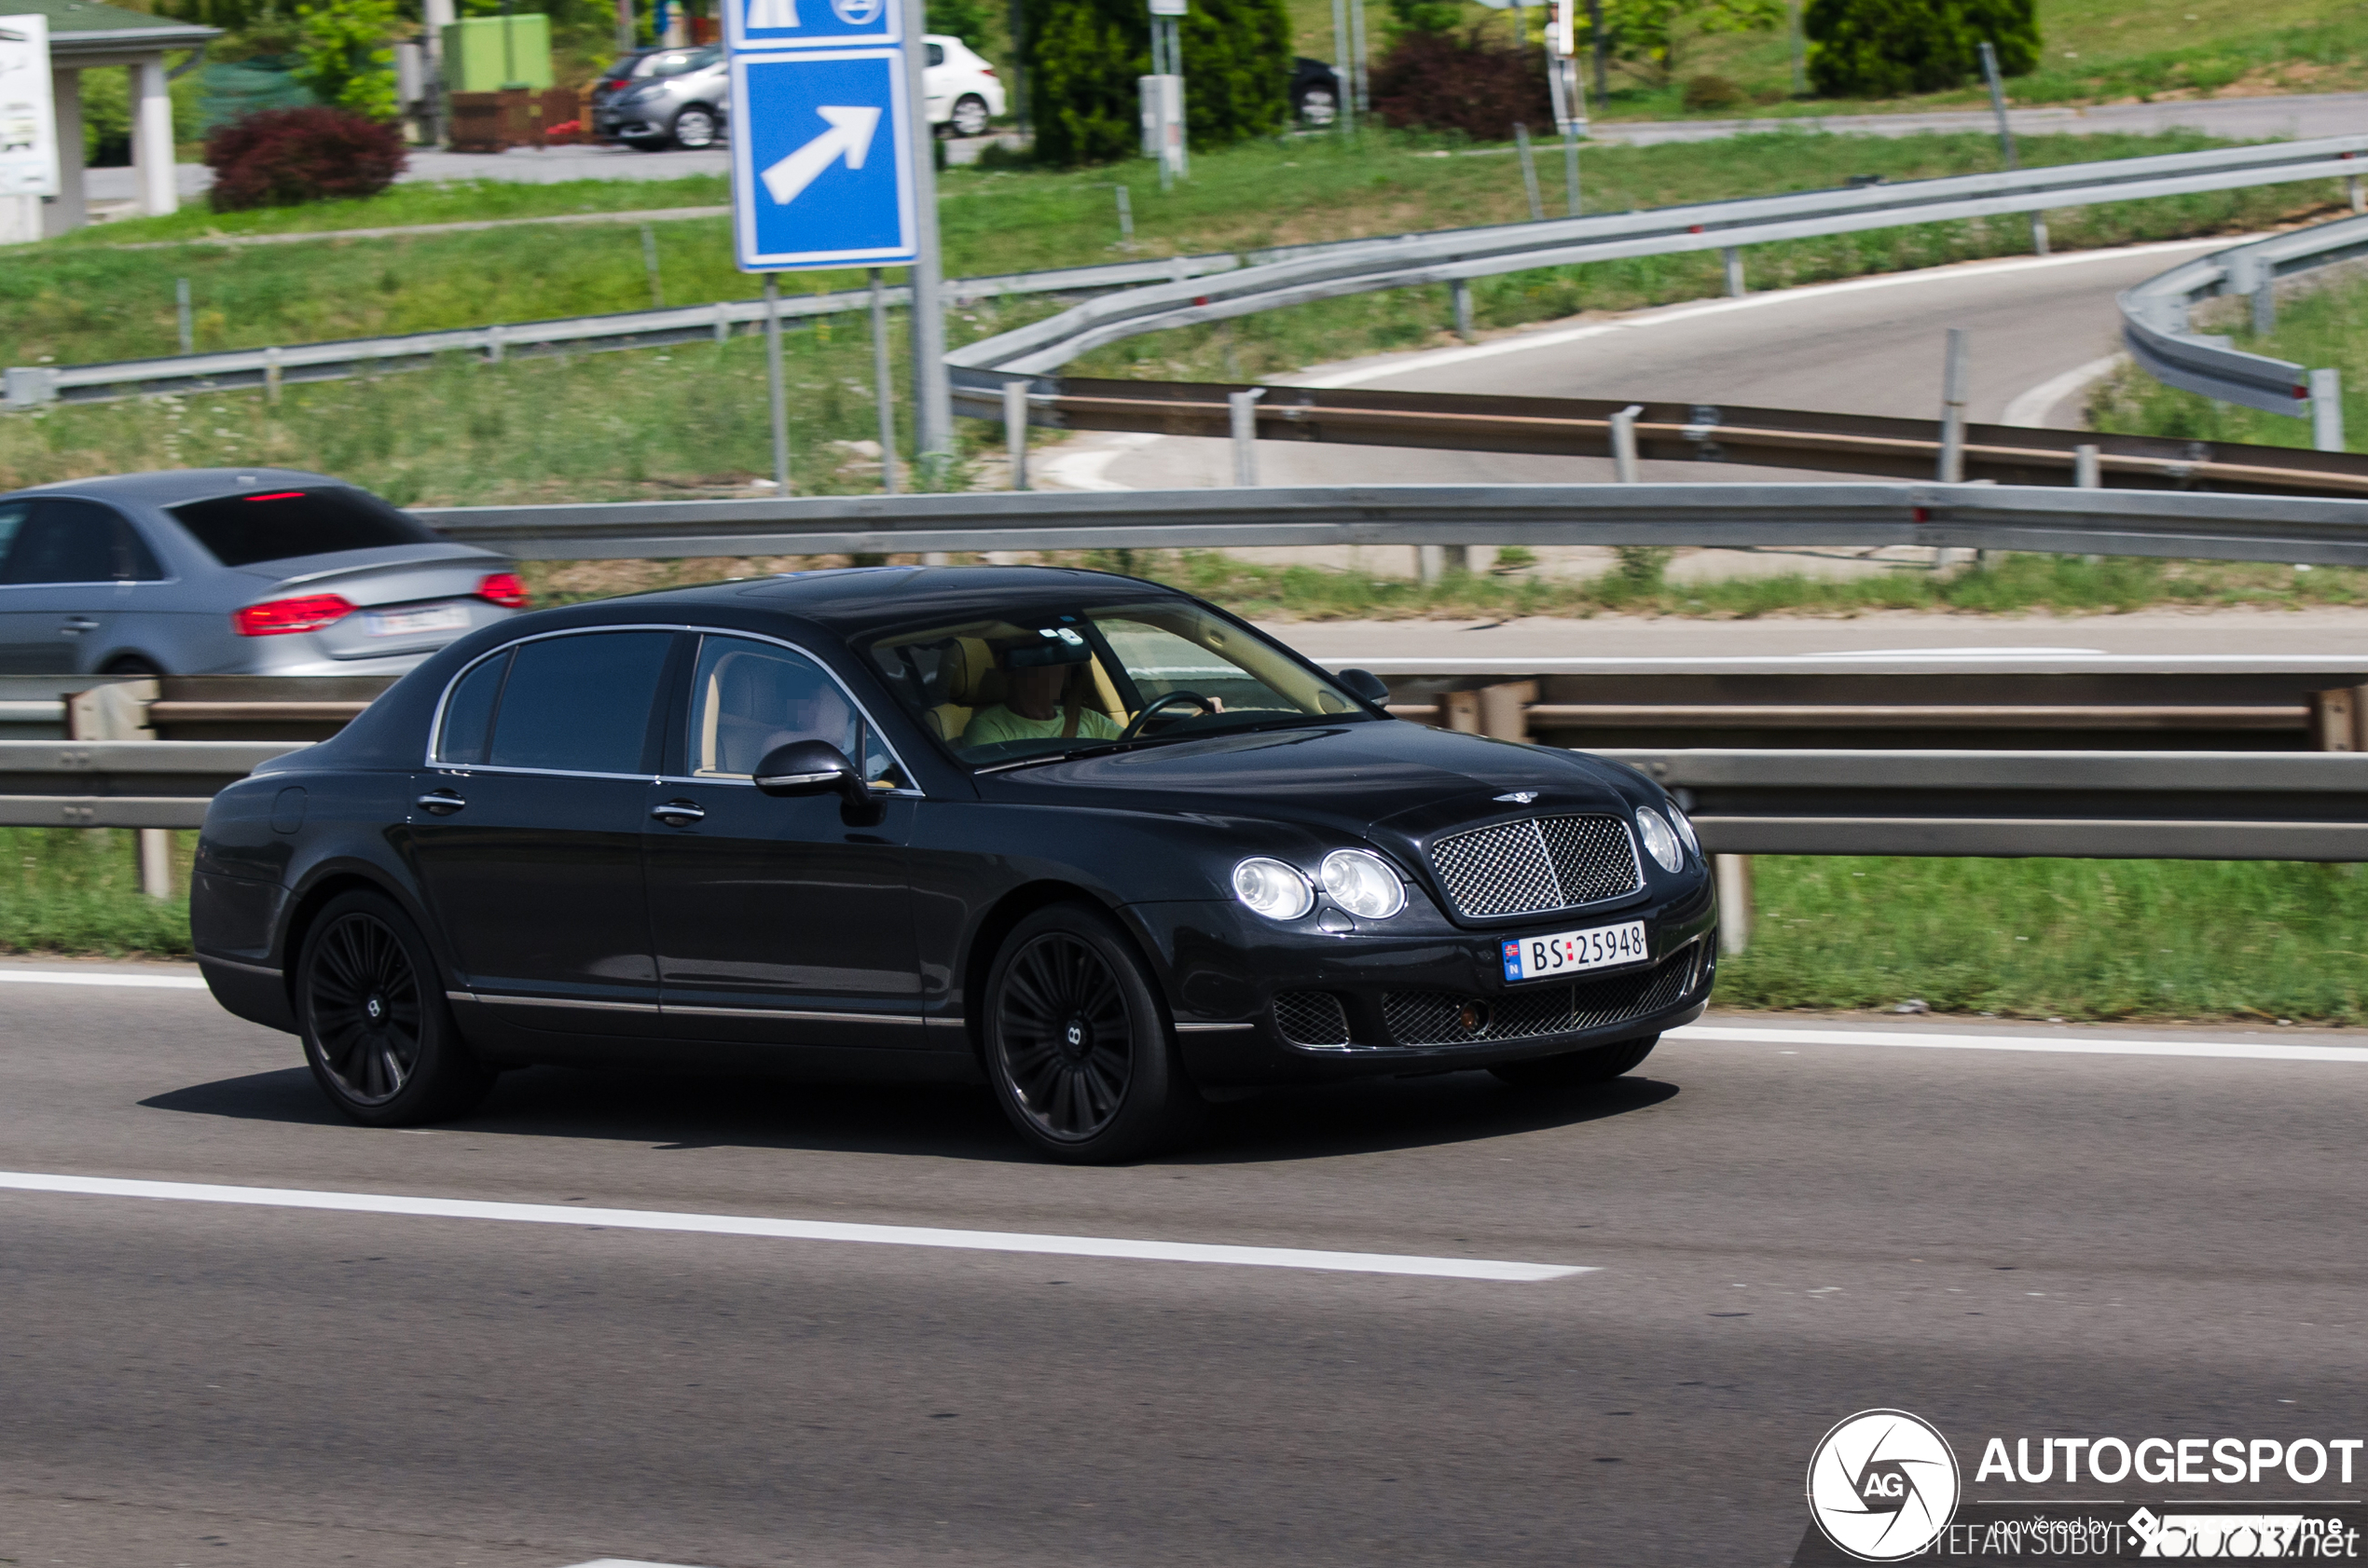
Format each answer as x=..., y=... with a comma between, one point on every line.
x=1040, y=685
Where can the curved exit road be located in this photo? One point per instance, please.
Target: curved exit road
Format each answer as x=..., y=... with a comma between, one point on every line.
x=1782, y=1230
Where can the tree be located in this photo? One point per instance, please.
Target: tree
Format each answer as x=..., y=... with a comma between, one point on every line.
x=1082, y=57
x=1888, y=49
x=966, y=20
x=344, y=57
x=1647, y=35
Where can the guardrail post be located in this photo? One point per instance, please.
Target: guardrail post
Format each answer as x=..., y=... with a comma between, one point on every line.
x=2336, y=719
x=1624, y=443
x=1504, y=711
x=2265, y=302
x=1243, y=408
x=1733, y=255
x=1733, y=874
x=2089, y=472
x=1952, y=410
x=493, y=343
x=1460, y=290
x=30, y=385
x=723, y=324
x=2327, y=410
x=182, y=315
x=271, y=375
x=1016, y=431
x=1459, y=712
x=155, y=862
x=1529, y=173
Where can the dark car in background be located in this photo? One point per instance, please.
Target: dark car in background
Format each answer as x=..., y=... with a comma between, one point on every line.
x=1084, y=838
x=1315, y=92
x=232, y=571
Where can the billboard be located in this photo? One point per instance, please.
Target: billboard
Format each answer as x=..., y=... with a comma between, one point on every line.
x=28, y=124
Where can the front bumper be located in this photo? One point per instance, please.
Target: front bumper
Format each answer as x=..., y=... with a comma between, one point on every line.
x=1260, y=1003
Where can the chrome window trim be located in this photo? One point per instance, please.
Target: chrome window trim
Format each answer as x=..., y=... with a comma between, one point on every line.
x=436, y=722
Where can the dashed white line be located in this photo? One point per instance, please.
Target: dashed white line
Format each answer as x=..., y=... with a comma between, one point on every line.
x=2068, y=1045
x=102, y=977
x=792, y=1229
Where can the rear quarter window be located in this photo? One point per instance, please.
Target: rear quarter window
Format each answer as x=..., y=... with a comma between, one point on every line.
x=283, y=525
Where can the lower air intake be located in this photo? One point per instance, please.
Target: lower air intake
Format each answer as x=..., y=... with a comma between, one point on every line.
x=1446, y=1018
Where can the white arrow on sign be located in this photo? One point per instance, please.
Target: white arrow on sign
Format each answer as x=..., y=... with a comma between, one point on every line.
x=850, y=134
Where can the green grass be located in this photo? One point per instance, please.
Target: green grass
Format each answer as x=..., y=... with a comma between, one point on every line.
x=73, y=302
x=2326, y=328
x=443, y=201
x=2071, y=939
x=78, y=890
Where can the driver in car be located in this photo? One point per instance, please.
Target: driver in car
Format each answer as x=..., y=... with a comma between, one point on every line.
x=1041, y=702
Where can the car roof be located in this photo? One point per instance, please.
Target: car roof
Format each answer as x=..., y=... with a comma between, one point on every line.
x=851, y=601
x=175, y=486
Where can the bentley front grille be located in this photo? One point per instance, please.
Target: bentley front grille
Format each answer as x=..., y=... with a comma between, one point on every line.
x=1545, y=863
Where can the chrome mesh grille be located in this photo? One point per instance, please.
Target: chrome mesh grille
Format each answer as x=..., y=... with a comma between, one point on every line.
x=1438, y=1017
x=1311, y=1018
x=1548, y=863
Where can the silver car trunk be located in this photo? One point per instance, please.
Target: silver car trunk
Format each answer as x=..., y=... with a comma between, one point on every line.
x=387, y=584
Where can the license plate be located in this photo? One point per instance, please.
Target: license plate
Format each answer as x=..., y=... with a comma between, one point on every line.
x=1568, y=952
x=406, y=622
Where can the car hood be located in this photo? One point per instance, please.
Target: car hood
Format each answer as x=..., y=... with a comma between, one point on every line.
x=1398, y=779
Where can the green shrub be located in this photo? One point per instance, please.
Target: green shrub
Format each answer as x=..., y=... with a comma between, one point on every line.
x=1713, y=92
x=1083, y=56
x=1889, y=48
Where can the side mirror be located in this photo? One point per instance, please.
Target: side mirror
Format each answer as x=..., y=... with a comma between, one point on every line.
x=816, y=767
x=1364, y=685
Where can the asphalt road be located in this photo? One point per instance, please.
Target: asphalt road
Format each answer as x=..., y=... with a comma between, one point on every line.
x=2041, y=330
x=1780, y=1231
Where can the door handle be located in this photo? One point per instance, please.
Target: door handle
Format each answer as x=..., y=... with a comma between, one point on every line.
x=678, y=814
x=79, y=623
x=441, y=803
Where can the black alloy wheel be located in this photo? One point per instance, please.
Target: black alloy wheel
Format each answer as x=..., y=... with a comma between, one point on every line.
x=1574, y=1070
x=1078, y=1047
x=696, y=127
x=376, y=1033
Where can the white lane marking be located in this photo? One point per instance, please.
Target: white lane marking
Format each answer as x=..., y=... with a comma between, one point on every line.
x=2029, y=409
x=624, y=1562
x=2068, y=1045
x=102, y=977
x=1083, y=468
x=792, y=1229
x=1524, y=342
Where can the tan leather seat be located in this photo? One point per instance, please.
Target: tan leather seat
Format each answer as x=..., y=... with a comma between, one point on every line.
x=969, y=680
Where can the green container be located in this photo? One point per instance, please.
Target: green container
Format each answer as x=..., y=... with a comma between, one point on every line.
x=486, y=54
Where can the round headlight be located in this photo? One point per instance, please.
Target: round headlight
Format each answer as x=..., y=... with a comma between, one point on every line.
x=1274, y=889
x=1362, y=885
x=1684, y=825
x=1659, y=843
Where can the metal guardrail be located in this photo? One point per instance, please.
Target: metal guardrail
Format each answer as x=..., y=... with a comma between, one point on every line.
x=2253, y=528
x=1457, y=257
x=1694, y=433
x=2187, y=806
x=2143, y=804
x=2154, y=317
x=122, y=783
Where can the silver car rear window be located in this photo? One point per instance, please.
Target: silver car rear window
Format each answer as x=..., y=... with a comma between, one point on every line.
x=282, y=525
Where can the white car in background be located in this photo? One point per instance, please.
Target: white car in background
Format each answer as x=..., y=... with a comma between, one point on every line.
x=962, y=90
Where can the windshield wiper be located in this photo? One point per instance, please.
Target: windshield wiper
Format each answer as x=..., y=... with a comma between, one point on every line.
x=1107, y=746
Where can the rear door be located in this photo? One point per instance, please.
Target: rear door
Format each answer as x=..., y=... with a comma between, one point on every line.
x=777, y=921
x=529, y=840
x=67, y=567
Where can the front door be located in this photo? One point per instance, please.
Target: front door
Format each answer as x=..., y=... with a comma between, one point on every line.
x=777, y=921
x=66, y=566
x=527, y=836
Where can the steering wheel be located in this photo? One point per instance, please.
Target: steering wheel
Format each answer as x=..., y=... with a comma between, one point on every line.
x=1168, y=699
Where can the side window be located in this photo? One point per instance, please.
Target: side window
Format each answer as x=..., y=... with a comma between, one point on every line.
x=71, y=541
x=468, y=712
x=12, y=517
x=752, y=696
x=937, y=54
x=581, y=704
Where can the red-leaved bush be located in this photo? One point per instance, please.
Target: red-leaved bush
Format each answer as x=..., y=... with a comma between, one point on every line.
x=282, y=157
x=1441, y=82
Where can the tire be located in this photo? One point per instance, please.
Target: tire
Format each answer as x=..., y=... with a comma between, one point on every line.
x=1078, y=1047
x=378, y=1035
x=1573, y=1069
x=696, y=126
x=134, y=664
x=970, y=116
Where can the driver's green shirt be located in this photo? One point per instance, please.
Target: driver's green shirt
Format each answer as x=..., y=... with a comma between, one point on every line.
x=999, y=723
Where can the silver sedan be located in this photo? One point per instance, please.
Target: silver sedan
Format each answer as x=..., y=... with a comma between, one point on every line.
x=232, y=571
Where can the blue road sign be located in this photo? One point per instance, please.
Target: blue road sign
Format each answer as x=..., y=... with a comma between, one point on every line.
x=821, y=147
x=807, y=24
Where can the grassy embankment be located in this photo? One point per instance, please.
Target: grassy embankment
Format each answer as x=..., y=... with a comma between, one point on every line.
x=2072, y=938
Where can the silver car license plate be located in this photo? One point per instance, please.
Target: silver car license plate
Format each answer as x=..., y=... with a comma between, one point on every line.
x=408, y=623
x=1602, y=947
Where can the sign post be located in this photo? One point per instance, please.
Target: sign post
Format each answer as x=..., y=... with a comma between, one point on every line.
x=28, y=127
x=1569, y=94
x=1163, y=92
x=830, y=164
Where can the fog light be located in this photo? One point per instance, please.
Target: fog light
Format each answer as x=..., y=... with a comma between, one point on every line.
x=1473, y=1015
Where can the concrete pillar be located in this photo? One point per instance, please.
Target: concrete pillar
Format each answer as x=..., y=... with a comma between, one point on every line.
x=151, y=138
x=1733, y=874
x=20, y=219
x=70, y=211
x=1504, y=711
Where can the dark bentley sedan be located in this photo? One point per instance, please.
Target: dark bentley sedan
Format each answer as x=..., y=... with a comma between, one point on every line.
x=1085, y=838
